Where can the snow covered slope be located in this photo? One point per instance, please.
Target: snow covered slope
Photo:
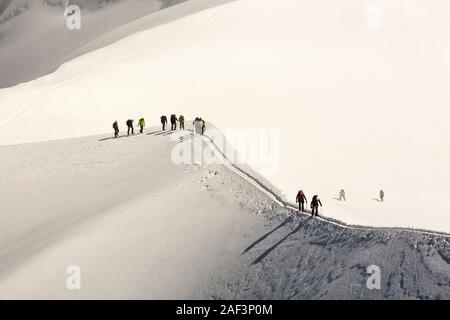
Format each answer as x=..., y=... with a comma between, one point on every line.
x=138, y=226
x=358, y=106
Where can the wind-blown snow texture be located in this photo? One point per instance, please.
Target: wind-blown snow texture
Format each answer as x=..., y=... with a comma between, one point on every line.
x=309, y=259
x=306, y=258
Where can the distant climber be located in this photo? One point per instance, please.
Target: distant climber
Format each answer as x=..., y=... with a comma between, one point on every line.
x=301, y=200
x=173, y=122
x=130, y=126
x=315, y=202
x=181, y=121
x=141, y=124
x=382, y=195
x=342, y=195
x=164, y=122
x=116, y=129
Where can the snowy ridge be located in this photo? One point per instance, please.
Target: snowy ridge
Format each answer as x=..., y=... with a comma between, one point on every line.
x=286, y=204
x=288, y=260
x=108, y=206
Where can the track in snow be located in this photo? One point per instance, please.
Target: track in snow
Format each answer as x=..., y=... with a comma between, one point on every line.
x=282, y=202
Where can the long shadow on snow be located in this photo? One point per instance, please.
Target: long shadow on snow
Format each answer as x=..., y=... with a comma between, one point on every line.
x=163, y=133
x=160, y=133
x=289, y=218
x=154, y=132
x=186, y=137
x=113, y=138
x=266, y=253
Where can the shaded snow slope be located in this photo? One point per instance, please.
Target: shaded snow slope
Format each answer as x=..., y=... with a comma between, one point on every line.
x=357, y=108
x=34, y=40
x=310, y=259
x=183, y=9
x=141, y=227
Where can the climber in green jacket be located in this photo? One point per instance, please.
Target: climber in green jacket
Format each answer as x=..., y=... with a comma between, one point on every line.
x=181, y=120
x=141, y=124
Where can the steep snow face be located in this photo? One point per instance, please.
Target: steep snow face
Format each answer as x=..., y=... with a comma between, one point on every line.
x=308, y=259
x=357, y=93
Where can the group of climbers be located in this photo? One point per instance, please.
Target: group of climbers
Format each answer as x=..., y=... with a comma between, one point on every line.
x=199, y=128
x=173, y=122
x=343, y=198
x=130, y=126
x=315, y=202
x=199, y=124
